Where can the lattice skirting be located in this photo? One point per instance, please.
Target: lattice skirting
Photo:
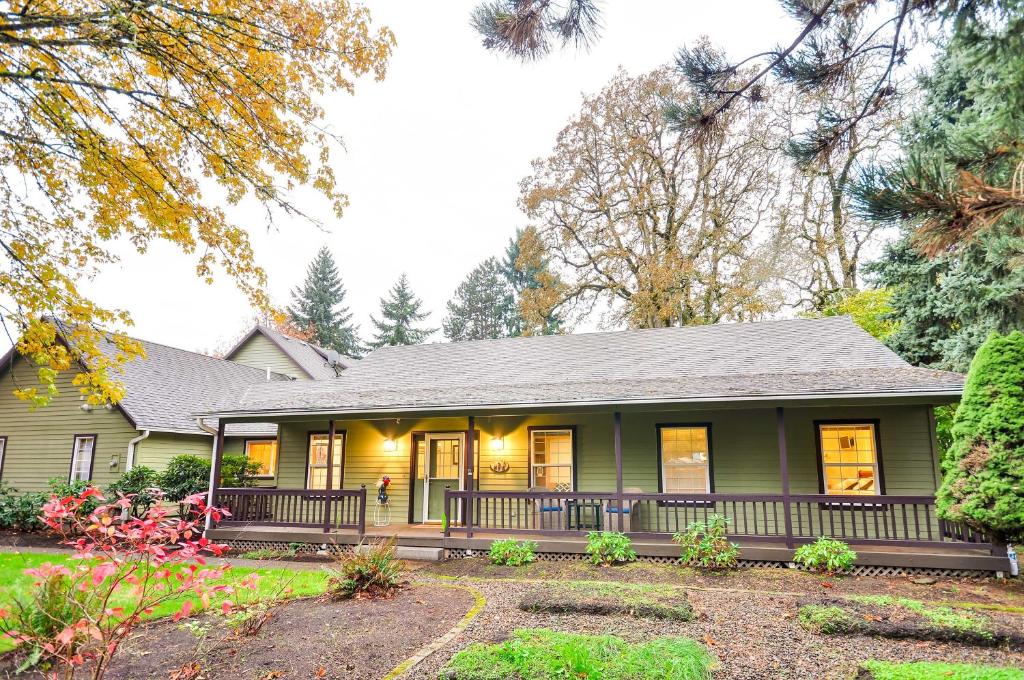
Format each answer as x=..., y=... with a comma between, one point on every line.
x=858, y=570
x=242, y=546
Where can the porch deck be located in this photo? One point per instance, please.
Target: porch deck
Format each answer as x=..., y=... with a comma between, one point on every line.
x=430, y=536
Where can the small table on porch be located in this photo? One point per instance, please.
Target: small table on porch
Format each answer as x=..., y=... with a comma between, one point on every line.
x=576, y=515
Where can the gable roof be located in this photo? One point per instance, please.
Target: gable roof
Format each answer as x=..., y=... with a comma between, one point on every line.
x=793, y=358
x=318, y=363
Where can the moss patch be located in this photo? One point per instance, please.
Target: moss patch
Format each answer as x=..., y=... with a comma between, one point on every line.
x=602, y=598
x=897, y=618
x=549, y=655
x=927, y=670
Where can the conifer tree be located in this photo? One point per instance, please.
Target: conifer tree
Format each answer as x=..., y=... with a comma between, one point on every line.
x=318, y=307
x=400, y=313
x=983, y=484
x=527, y=274
x=483, y=306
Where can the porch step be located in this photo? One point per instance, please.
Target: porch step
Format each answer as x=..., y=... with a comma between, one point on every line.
x=412, y=552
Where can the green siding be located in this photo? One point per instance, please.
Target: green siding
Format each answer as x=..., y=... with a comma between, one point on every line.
x=260, y=352
x=160, y=447
x=743, y=442
x=39, y=442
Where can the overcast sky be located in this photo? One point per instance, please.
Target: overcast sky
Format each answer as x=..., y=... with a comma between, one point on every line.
x=434, y=156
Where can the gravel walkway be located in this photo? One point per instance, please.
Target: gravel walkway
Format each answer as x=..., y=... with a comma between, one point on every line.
x=754, y=635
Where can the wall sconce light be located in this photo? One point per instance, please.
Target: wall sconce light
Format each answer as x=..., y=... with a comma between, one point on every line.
x=389, y=445
x=497, y=443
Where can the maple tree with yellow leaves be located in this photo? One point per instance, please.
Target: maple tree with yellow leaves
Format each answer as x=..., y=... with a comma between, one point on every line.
x=114, y=113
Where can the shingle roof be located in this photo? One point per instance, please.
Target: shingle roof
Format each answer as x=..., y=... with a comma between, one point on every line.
x=319, y=363
x=165, y=389
x=795, y=357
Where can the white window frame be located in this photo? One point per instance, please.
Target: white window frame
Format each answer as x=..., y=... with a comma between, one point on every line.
x=77, y=453
x=3, y=452
x=336, y=456
x=705, y=464
x=572, y=454
x=270, y=474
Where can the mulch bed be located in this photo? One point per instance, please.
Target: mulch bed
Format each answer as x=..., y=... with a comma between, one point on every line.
x=895, y=621
x=25, y=540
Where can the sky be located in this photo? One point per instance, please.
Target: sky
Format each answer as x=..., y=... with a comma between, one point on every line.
x=432, y=162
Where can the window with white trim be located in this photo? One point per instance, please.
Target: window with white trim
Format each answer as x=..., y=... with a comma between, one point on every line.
x=551, y=459
x=81, y=458
x=849, y=459
x=317, y=473
x=685, y=459
x=264, y=452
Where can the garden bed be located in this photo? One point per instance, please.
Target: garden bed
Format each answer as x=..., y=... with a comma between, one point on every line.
x=905, y=618
x=602, y=599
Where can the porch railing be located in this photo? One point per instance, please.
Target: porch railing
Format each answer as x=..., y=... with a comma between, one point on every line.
x=878, y=520
x=300, y=508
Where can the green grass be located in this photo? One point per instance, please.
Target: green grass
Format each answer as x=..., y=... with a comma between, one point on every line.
x=17, y=584
x=827, y=620
x=926, y=670
x=547, y=654
x=937, y=615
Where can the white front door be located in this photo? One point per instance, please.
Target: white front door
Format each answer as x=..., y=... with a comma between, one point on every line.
x=444, y=465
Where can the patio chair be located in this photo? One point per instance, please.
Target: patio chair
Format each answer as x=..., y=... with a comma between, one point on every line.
x=549, y=513
x=629, y=510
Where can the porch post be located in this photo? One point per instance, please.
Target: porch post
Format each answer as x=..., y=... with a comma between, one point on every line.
x=620, y=506
x=467, y=516
x=780, y=426
x=218, y=454
x=330, y=476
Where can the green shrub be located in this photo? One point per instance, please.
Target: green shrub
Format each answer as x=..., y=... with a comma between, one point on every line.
x=512, y=553
x=826, y=554
x=983, y=483
x=705, y=546
x=21, y=511
x=609, y=547
x=930, y=670
x=237, y=471
x=370, y=571
x=61, y=488
x=184, y=476
x=142, y=484
x=550, y=655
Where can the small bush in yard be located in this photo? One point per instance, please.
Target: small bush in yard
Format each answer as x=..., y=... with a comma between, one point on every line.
x=21, y=511
x=930, y=670
x=705, y=546
x=511, y=553
x=370, y=571
x=185, y=475
x=142, y=485
x=69, y=620
x=826, y=554
x=609, y=547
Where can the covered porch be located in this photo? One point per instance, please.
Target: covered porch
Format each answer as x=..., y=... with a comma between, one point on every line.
x=458, y=482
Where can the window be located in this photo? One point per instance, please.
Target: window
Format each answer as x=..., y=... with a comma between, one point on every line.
x=263, y=451
x=685, y=458
x=849, y=459
x=81, y=457
x=317, y=474
x=551, y=459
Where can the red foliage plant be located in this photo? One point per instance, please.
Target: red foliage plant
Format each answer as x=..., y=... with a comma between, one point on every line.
x=78, y=615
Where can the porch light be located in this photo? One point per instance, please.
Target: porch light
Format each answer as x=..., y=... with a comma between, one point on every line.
x=497, y=443
x=389, y=445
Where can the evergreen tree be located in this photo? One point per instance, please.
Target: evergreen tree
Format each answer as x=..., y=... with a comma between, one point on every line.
x=318, y=307
x=945, y=307
x=983, y=484
x=400, y=313
x=483, y=306
x=527, y=274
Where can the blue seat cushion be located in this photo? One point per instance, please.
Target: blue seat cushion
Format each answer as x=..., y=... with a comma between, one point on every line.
x=625, y=511
x=550, y=508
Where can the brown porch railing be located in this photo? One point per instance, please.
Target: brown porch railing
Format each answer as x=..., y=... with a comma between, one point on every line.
x=301, y=508
x=878, y=520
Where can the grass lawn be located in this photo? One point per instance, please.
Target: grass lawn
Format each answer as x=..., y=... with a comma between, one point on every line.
x=548, y=654
x=924, y=670
x=287, y=582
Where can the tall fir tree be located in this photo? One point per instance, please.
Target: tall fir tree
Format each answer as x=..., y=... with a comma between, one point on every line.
x=527, y=273
x=400, y=313
x=318, y=307
x=483, y=306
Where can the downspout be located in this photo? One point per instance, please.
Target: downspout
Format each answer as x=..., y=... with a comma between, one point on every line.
x=130, y=462
x=213, y=452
